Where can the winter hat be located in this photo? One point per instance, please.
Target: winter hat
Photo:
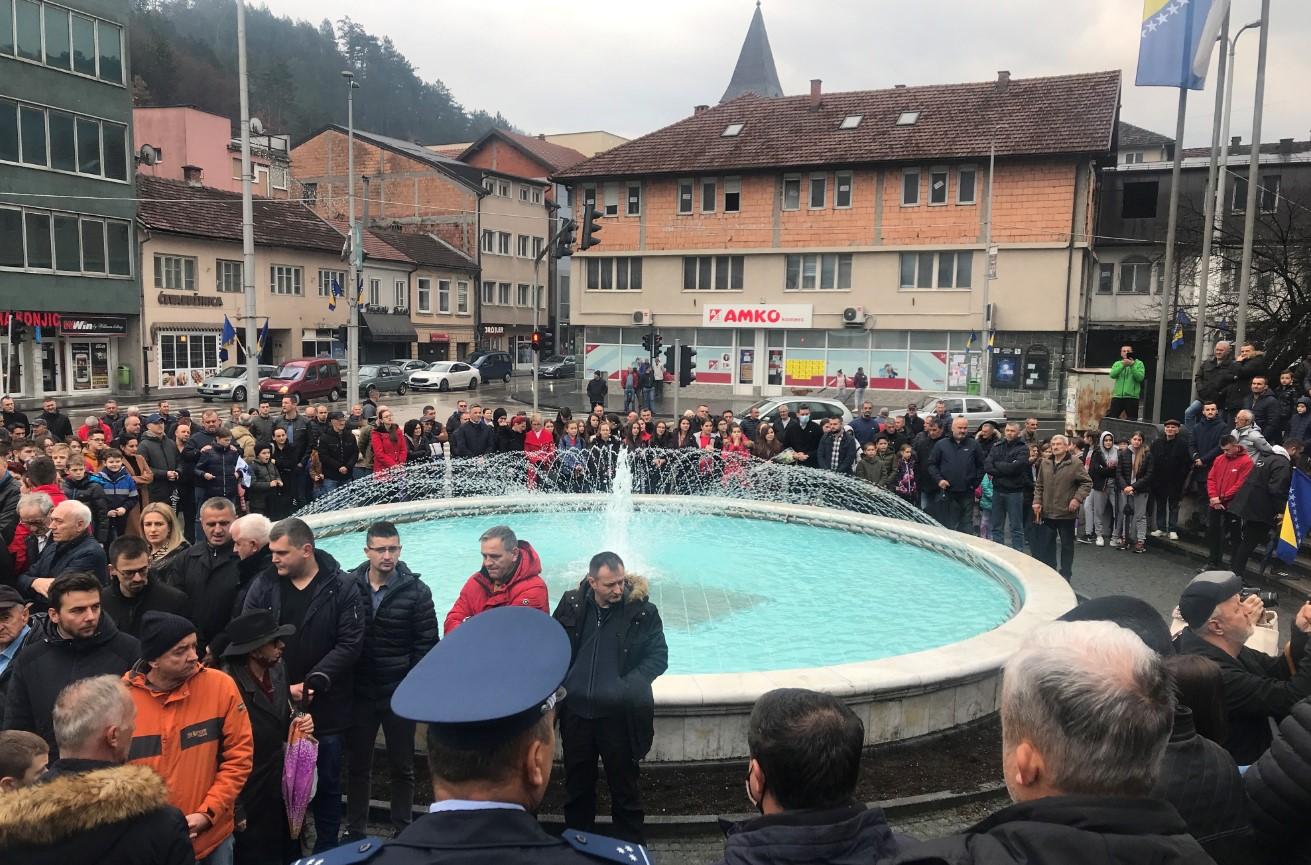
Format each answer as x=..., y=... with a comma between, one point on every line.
x=1204, y=593
x=1134, y=614
x=161, y=632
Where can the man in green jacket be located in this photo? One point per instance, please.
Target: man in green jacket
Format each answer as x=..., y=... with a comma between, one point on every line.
x=1128, y=373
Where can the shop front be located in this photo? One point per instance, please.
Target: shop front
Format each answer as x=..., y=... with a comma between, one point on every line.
x=436, y=343
x=61, y=353
x=385, y=335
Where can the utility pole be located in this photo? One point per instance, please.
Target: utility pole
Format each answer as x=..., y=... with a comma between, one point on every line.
x=1171, y=229
x=1253, y=179
x=678, y=379
x=356, y=250
x=247, y=219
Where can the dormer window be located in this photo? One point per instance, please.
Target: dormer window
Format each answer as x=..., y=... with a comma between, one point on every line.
x=908, y=118
x=851, y=121
x=732, y=130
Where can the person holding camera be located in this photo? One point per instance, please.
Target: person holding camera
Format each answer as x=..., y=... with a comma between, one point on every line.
x=1221, y=617
x=1128, y=373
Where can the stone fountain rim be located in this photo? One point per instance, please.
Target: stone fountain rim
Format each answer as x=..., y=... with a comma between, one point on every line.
x=1041, y=595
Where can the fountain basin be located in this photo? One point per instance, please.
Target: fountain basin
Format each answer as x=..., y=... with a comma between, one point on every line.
x=924, y=679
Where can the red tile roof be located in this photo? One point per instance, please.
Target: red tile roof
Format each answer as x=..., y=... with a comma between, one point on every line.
x=1063, y=114
x=553, y=157
x=176, y=207
x=427, y=250
x=374, y=247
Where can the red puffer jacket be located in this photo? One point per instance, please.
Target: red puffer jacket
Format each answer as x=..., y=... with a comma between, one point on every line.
x=389, y=449
x=1227, y=475
x=525, y=589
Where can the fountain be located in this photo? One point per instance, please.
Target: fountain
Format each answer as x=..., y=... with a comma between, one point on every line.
x=765, y=576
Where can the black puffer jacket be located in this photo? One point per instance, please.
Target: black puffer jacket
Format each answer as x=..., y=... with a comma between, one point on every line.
x=847, y=835
x=396, y=635
x=1142, y=481
x=10, y=491
x=338, y=450
x=1264, y=493
x=1201, y=780
x=1279, y=791
x=1241, y=387
x=1171, y=463
x=90, y=811
x=208, y=577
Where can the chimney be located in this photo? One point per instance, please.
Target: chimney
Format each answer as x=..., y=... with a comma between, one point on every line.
x=541, y=136
x=697, y=109
x=1003, y=80
x=194, y=175
x=1235, y=141
x=1285, y=147
x=899, y=87
x=815, y=92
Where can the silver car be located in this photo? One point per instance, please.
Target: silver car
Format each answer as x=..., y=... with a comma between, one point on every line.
x=976, y=409
x=821, y=408
x=230, y=383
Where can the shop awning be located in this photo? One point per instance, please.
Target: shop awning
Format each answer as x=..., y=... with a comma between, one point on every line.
x=389, y=327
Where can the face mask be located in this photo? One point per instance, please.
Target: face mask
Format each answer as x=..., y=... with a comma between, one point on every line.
x=803, y=419
x=746, y=783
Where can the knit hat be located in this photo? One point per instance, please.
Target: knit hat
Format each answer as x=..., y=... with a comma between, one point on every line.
x=161, y=632
x=1134, y=614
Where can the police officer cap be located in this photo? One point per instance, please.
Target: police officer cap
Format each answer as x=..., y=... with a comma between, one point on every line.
x=491, y=679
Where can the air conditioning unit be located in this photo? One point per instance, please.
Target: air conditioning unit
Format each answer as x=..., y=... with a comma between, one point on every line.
x=641, y=316
x=853, y=316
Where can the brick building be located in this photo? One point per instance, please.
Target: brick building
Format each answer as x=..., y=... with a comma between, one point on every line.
x=788, y=238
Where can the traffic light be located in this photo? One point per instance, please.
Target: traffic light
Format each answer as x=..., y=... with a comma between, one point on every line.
x=18, y=330
x=647, y=343
x=669, y=360
x=548, y=342
x=537, y=341
x=686, y=364
x=591, y=227
x=659, y=341
x=564, y=241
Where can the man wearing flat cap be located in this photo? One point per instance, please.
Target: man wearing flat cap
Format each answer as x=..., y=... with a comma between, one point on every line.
x=1257, y=687
x=489, y=693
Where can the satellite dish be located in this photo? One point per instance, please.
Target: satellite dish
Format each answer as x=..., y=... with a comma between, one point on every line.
x=149, y=155
x=256, y=127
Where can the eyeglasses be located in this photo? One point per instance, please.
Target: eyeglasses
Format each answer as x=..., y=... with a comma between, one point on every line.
x=386, y=550
x=133, y=572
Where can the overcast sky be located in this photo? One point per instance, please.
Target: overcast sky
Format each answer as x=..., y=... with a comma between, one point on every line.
x=631, y=67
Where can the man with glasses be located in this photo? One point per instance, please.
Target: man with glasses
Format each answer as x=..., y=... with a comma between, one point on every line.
x=453, y=422
x=400, y=627
x=131, y=593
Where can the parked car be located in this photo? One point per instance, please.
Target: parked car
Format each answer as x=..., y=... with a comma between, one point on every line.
x=557, y=366
x=303, y=379
x=491, y=365
x=976, y=409
x=821, y=408
x=230, y=383
x=408, y=365
x=445, y=375
x=386, y=377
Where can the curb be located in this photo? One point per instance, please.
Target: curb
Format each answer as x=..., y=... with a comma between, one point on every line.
x=1297, y=582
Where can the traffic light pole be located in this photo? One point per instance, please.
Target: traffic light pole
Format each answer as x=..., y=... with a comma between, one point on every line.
x=547, y=249
x=678, y=379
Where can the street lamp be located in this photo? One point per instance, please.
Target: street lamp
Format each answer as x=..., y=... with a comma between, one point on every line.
x=247, y=217
x=352, y=297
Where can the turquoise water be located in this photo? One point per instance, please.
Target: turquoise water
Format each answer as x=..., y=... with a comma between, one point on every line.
x=736, y=595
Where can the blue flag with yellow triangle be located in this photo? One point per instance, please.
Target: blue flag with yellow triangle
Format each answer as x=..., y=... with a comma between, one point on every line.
x=1175, y=41
x=1297, y=517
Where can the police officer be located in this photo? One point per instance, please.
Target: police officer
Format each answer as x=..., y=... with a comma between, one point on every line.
x=488, y=693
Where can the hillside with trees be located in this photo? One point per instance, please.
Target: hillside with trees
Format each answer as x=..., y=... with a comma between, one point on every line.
x=184, y=52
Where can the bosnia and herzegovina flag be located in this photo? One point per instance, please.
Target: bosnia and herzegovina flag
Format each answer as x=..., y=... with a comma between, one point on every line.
x=1297, y=517
x=1176, y=41
x=227, y=340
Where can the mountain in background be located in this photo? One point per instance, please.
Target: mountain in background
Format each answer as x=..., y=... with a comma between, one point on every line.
x=184, y=52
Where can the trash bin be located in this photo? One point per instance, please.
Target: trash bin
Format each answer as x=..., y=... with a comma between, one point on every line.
x=972, y=388
x=124, y=376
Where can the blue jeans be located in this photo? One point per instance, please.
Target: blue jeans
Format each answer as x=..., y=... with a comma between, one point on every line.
x=330, y=484
x=220, y=855
x=326, y=804
x=630, y=399
x=1167, y=513
x=648, y=398
x=1008, y=508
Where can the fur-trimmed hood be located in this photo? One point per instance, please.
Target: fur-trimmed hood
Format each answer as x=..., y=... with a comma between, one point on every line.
x=638, y=589
x=73, y=803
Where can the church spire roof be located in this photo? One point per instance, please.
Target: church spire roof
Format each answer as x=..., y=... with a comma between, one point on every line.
x=755, y=72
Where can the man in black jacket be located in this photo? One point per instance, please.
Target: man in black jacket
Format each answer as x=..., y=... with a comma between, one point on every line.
x=131, y=592
x=805, y=762
x=400, y=628
x=10, y=415
x=74, y=641
x=59, y=425
x=1171, y=463
x=1267, y=411
x=1257, y=687
x=474, y=438
x=1212, y=380
x=308, y=589
x=618, y=649
x=1249, y=365
x=923, y=444
x=837, y=449
x=802, y=435
x=89, y=806
x=1081, y=780
x=206, y=571
x=597, y=389
x=338, y=452
x=1259, y=503
x=1008, y=463
x=453, y=422
x=74, y=550
x=956, y=467
x=161, y=454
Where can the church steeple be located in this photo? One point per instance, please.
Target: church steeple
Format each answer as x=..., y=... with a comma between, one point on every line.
x=755, y=72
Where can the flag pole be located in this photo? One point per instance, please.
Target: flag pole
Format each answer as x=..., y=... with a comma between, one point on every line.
x=1223, y=73
x=1253, y=179
x=1171, y=229
x=247, y=213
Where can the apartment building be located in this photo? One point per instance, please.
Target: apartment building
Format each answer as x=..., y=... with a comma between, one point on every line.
x=445, y=282
x=196, y=146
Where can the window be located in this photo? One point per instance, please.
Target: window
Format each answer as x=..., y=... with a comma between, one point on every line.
x=732, y=194
x=537, y=196
x=1135, y=276
x=910, y=187
x=61, y=39
x=228, y=276
x=1138, y=200
x=326, y=278
x=503, y=188
x=503, y=242
x=966, y=179
x=612, y=199
x=34, y=135
x=109, y=39
x=842, y=189
x=50, y=138
x=489, y=293
x=709, y=195
x=713, y=272
x=524, y=193
x=88, y=146
x=824, y=272
x=521, y=297
x=538, y=243
x=180, y=353
x=684, y=196
x=8, y=129
x=285, y=279
x=1133, y=157
x=938, y=186
x=424, y=285
x=59, y=52
x=63, y=140
x=791, y=192
x=732, y=130
x=614, y=274
x=311, y=193
x=936, y=270
x=278, y=176
x=40, y=254
x=443, y=294
x=1268, y=193
x=462, y=298
x=27, y=21
x=818, y=191
x=93, y=246
x=634, y=199
x=1105, y=278
x=908, y=118
x=6, y=28
x=42, y=240
x=68, y=244
x=11, y=239
x=84, y=45
x=503, y=293
x=375, y=292
x=401, y=293
x=175, y=272
x=488, y=241
x=115, y=141
x=851, y=121
x=489, y=185
x=521, y=246
x=119, y=243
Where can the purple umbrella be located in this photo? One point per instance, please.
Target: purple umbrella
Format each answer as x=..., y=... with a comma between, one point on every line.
x=298, y=776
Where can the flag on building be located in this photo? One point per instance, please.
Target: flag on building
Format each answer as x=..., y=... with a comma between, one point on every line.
x=992, y=340
x=261, y=339
x=1297, y=517
x=1176, y=41
x=1177, y=337
x=227, y=340
x=334, y=293
x=974, y=338
x=359, y=290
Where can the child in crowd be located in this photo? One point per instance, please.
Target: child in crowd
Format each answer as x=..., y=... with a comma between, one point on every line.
x=79, y=486
x=120, y=489
x=903, y=475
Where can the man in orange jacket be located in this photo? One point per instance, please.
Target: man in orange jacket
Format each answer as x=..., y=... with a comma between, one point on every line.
x=511, y=576
x=193, y=730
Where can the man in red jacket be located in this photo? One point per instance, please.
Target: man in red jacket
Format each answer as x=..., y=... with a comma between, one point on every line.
x=41, y=477
x=511, y=576
x=1227, y=474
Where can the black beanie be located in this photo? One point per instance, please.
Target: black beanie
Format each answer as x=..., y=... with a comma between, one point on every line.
x=1128, y=612
x=161, y=632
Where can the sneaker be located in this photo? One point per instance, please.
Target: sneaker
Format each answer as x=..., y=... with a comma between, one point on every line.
x=1118, y=543
x=1101, y=541
x=1140, y=547
x=1174, y=536
x=1156, y=533
x=1084, y=539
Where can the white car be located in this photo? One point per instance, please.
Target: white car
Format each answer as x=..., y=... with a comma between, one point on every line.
x=976, y=409
x=445, y=375
x=821, y=408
